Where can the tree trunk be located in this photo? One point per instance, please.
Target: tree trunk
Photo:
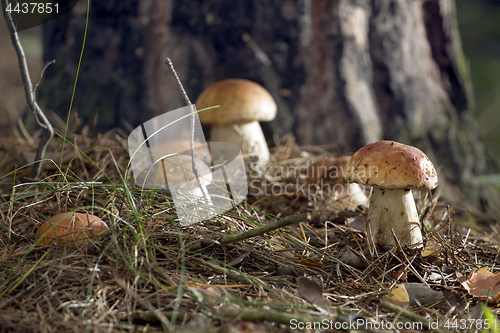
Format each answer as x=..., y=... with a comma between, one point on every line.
x=342, y=72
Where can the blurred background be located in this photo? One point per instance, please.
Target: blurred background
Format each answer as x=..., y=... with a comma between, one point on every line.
x=479, y=24
x=276, y=42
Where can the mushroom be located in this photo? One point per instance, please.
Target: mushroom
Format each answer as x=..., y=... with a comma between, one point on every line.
x=70, y=229
x=327, y=172
x=191, y=197
x=242, y=104
x=176, y=171
x=393, y=169
x=183, y=147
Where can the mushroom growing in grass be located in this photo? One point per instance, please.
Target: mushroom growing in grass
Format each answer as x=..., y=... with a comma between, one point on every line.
x=183, y=147
x=177, y=172
x=70, y=229
x=393, y=169
x=327, y=173
x=242, y=104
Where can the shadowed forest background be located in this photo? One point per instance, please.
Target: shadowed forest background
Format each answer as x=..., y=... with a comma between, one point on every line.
x=343, y=74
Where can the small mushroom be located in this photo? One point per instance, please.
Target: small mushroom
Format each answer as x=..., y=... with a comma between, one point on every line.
x=191, y=197
x=393, y=169
x=328, y=172
x=183, y=147
x=177, y=171
x=242, y=104
x=70, y=229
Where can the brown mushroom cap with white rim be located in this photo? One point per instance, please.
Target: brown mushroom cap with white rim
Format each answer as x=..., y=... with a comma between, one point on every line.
x=393, y=169
x=391, y=165
x=239, y=100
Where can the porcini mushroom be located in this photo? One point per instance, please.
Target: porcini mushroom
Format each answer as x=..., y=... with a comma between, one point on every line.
x=70, y=229
x=242, y=104
x=183, y=147
x=393, y=169
x=191, y=197
x=177, y=171
x=328, y=172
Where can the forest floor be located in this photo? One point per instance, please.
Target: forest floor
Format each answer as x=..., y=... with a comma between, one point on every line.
x=147, y=274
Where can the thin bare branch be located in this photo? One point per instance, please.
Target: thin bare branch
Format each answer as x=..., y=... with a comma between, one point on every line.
x=41, y=119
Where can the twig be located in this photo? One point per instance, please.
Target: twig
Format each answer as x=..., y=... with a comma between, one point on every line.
x=40, y=117
x=191, y=139
x=41, y=74
x=337, y=323
x=236, y=275
x=429, y=325
x=266, y=228
x=255, y=232
x=152, y=317
x=268, y=315
x=410, y=266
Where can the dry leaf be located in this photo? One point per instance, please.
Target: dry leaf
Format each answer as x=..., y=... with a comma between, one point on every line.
x=481, y=284
x=304, y=260
x=432, y=248
x=311, y=292
x=414, y=294
x=356, y=223
x=421, y=295
x=399, y=295
x=349, y=257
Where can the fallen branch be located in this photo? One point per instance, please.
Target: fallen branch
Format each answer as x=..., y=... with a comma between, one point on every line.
x=152, y=317
x=298, y=321
x=235, y=275
x=429, y=325
x=266, y=228
x=256, y=231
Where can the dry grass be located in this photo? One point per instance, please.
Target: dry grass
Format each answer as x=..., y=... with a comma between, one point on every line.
x=148, y=274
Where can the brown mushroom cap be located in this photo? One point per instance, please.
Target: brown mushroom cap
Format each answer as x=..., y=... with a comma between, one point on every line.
x=241, y=101
x=328, y=170
x=70, y=229
x=201, y=151
x=391, y=165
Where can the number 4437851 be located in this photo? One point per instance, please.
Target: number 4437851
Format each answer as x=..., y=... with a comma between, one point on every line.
x=33, y=8
x=469, y=324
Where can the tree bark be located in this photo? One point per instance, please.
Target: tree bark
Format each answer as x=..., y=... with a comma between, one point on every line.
x=342, y=72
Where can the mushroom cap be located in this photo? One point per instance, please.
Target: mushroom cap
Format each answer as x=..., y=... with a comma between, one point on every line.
x=70, y=229
x=240, y=100
x=391, y=165
x=201, y=150
x=179, y=170
x=327, y=169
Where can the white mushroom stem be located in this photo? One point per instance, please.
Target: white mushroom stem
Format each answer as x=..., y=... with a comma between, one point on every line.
x=200, y=194
x=194, y=203
x=248, y=136
x=393, y=210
